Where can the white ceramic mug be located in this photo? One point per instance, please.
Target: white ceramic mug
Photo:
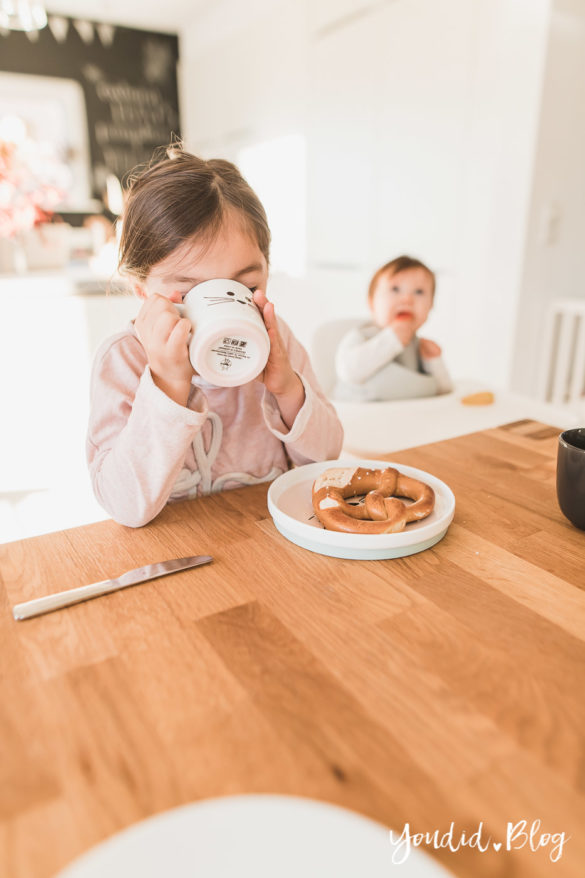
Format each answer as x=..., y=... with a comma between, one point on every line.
x=229, y=345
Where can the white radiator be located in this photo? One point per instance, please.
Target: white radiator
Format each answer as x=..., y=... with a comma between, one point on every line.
x=562, y=372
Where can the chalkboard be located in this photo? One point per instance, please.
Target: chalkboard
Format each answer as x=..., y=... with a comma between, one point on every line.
x=129, y=80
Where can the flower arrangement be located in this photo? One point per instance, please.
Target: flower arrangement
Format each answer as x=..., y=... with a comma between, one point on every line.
x=26, y=199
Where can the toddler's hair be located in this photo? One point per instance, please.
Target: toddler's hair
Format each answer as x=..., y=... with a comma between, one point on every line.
x=401, y=263
x=179, y=197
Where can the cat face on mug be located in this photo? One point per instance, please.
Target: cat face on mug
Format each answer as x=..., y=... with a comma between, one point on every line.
x=230, y=297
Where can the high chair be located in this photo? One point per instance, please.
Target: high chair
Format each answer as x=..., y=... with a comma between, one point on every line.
x=373, y=428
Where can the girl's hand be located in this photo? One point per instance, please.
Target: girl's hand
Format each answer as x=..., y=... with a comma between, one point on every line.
x=428, y=349
x=163, y=334
x=278, y=375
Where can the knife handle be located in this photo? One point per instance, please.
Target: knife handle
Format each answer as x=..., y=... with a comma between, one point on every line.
x=85, y=592
x=51, y=602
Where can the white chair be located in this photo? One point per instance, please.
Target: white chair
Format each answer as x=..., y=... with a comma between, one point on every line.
x=324, y=343
x=562, y=373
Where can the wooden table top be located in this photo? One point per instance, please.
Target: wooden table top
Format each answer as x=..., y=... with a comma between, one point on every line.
x=445, y=687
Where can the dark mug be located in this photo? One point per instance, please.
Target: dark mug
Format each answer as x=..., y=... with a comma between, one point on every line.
x=571, y=475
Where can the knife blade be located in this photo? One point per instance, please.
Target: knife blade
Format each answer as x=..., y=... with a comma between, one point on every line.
x=61, y=599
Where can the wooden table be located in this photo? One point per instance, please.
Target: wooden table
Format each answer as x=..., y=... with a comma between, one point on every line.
x=443, y=687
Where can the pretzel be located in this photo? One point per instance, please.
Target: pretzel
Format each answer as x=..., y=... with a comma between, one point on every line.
x=485, y=397
x=382, y=512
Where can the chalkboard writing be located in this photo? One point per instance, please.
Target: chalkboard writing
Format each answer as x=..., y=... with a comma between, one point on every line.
x=129, y=80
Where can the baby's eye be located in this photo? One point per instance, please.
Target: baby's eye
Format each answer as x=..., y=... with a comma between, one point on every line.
x=394, y=289
x=419, y=292
x=252, y=289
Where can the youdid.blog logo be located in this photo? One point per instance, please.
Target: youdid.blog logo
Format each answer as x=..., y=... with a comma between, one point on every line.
x=517, y=835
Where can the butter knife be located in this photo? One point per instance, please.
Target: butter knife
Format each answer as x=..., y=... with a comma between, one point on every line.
x=85, y=592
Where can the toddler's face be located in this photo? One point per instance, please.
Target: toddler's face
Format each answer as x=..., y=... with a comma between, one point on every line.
x=404, y=296
x=233, y=254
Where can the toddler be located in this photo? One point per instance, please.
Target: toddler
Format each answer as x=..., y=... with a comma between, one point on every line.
x=385, y=359
x=158, y=432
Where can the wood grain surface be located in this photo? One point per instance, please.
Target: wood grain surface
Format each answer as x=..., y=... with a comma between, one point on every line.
x=446, y=687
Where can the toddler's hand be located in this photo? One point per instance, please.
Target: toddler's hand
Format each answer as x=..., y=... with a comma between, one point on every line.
x=278, y=376
x=428, y=349
x=404, y=330
x=163, y=334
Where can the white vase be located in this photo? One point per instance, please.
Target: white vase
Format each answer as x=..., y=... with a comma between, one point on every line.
x=12, y=256
x=47, y=246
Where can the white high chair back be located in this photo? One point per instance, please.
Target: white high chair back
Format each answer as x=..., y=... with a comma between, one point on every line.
x=323, y=346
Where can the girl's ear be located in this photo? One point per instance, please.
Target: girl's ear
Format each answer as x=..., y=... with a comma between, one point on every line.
x=138, y=288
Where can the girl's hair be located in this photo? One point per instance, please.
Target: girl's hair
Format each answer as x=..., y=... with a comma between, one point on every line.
x=401, y=263
x=179, y=197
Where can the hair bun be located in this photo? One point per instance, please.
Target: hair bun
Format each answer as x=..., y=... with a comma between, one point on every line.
x=175, y=151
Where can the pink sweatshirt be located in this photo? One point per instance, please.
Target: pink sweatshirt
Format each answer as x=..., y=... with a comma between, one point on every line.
x=144, y=450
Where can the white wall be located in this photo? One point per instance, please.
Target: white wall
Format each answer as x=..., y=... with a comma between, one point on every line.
x=554, y=265
x=243, y=75
x=508, y=53
x=421, y=121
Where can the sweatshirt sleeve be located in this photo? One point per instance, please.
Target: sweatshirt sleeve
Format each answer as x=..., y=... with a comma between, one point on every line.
x=137, y=436
x=436, y=367
x=316, y=433
x=358, y=358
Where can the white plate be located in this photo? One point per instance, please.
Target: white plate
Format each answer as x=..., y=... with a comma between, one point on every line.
x=289, y=503
x=253, y=837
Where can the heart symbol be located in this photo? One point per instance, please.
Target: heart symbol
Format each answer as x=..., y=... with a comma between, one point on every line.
x=497, y=845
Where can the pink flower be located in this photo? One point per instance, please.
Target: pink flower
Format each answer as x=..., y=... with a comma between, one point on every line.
x=25, y=200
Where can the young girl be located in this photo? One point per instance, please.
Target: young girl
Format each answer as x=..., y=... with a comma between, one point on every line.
x=158, y=432
x=385, y=359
